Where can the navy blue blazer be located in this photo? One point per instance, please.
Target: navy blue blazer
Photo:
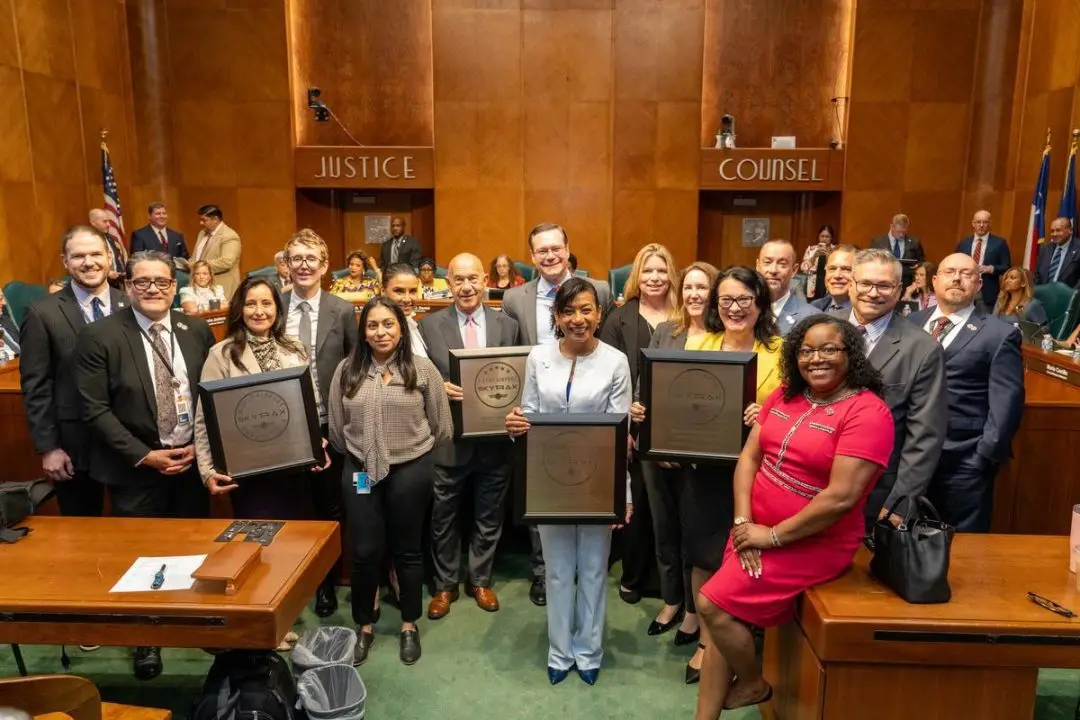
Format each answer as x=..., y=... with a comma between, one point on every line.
x=1070, y=266
x=996, y=254
x=146, y=238
x=984, y=378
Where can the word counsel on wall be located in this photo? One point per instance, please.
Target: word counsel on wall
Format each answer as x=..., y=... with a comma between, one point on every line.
x=810, y=169
x=365, y=167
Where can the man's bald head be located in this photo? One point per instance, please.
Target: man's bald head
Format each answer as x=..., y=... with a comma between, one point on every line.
x=466, y=277
x=99, y=219
x=956, y=282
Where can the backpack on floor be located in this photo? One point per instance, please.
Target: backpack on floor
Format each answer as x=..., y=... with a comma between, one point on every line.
x=247, y=685
x=17, y=500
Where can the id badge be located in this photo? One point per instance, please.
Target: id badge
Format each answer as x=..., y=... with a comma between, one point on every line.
x=362, y=482
x=183, y=411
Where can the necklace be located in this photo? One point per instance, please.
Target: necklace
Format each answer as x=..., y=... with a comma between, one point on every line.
x=816, y=403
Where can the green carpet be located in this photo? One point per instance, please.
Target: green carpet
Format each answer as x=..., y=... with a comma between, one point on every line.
x=479, y=663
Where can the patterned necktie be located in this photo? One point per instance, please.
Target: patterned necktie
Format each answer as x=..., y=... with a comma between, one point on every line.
x=305, y=329
x=941, y=328
x=976, y=252
x=553, y=292
x=163, y=389
x=97, y=310
x=164, y=242
x=1055, y=263
x=896, y=249
x=471, y=338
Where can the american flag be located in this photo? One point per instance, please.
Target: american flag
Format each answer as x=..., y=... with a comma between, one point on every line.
x=112, y=201
x=1036, y=234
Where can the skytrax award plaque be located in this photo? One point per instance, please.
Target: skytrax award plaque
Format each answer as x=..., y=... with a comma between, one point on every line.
x=262, y=423
x=491, y=379
x=571, y=468
x=694, y=403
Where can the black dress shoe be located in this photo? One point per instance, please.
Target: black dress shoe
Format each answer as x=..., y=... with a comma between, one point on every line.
x=325, y=602
x=692, y=675
x=147, y=663
x=658, y=628
x=364, y=641
x=631, y=597
x=410, y=646
x=538, y=593
x=682, y=638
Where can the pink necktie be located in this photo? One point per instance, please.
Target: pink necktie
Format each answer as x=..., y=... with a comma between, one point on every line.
x=471, y=341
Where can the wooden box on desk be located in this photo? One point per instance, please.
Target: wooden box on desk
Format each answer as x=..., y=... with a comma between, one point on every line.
x=229, y=565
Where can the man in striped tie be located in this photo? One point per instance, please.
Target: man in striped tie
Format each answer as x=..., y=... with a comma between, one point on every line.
x=1059, y=259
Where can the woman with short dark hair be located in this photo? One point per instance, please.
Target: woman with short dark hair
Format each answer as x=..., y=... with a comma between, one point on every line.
x=816, y=448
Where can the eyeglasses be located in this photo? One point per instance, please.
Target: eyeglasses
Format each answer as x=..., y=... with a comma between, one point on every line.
x=950, y=273
x=1050, y=605
x=743, y=301
x=549, y=251
x=309, y=260
x=882, y=288
x=143, y=284
x=825, y=352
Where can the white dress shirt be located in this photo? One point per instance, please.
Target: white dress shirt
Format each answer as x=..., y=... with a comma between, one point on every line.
x=958, y=319
x=545, y=334
x=201, y=247
x=183, y=432
x=416, y=340
x=86, y=300
x=975, y=241
x=779, y=303
x=479, y=318
x=292, y=329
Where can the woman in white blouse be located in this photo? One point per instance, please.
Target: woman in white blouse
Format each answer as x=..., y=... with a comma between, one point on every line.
x=201, y=294
x=576, y=374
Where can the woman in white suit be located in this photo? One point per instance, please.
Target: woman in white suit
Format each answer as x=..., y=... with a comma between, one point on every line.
x=255, y=343
x=576, y=374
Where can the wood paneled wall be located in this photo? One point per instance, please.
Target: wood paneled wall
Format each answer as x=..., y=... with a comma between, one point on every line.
x=63, y=77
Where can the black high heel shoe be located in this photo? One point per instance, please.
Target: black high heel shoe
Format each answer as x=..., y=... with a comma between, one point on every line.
x=682, y=638
x=658, y=628
x=693, y=675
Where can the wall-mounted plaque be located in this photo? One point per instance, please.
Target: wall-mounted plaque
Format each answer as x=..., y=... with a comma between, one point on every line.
x=694, y=403
x=365, y=168
x=491, y=379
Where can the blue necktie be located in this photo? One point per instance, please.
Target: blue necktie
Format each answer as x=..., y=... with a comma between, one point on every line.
x=896, y=249
x=97, y=310
x=1055, y=263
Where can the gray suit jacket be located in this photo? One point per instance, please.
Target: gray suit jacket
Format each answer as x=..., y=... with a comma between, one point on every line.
x=520, y=304
x=442, y=334
x=794, y=310
x=334, y=338
x=912, y=365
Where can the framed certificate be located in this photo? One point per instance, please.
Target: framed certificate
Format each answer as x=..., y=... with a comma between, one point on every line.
x=262, y=423
x=571, y=469
x=694, y=403
x=491, y=379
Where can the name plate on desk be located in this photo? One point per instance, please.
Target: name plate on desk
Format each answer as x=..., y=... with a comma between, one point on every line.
x=365, y=167
x=1044, y=364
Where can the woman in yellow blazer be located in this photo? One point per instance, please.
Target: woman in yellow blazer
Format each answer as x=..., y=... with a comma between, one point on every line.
x=738, y=318
x=255, y=343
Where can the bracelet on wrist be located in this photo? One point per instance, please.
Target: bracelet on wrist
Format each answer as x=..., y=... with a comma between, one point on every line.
x=775, y=540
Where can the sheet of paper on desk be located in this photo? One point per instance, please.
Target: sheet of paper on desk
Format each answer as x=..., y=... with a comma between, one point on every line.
x=178, y=568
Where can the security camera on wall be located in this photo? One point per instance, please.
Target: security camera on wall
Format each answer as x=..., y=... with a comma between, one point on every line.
x=322, y=113
x=725, y=139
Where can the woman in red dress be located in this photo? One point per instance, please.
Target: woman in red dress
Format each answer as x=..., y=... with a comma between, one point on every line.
x=819, y=444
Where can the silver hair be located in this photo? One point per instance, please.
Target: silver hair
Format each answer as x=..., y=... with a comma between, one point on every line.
x=875, y=255
x=279, y=256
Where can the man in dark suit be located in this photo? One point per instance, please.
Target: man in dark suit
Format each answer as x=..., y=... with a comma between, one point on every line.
x=399, y=247
x=156, y=236
x=530, y=305
x=905, y=248
x=912, y=366
x=137, y=373
x=1059, y=259
x=118, y=254
x=50, y=397
x=838, y=267
x=467, y=468
x=991, y=254
x=776, y=263
x=326, y=325
x=985, y=380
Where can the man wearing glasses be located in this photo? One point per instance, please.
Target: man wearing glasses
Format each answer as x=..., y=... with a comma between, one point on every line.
x=985, y=380
x=137, y=373
x=326, y=326
x=913, y=368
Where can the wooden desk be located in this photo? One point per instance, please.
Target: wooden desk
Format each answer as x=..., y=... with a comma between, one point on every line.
x=1036, y=489
x=17, y=450
x=60, y=576
x=858, y=650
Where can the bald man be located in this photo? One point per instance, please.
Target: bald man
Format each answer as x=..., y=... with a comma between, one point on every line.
x=990, y=252
x=99, y=220
x=464, y=464
x=984, y=379
x=399, y=247
x=1059, y=257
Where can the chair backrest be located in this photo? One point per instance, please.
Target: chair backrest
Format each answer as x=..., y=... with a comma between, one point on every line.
x=617, y=278
x=19, y=295
x=42, y=694
x=581, y=273
x=1062, y=304
x=183, y=279
x=338, y=274
x=440, y=272
x=264, y=271
x=525, y=270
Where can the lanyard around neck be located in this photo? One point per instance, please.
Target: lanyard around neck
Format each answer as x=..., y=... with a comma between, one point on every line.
x=168, y=361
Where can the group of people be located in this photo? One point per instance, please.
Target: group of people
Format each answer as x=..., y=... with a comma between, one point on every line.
x=857, y=406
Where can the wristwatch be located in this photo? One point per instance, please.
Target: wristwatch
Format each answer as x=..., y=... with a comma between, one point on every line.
x=740, y=520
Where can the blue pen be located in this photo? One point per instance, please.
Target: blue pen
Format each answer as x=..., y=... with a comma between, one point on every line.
x=159, y=579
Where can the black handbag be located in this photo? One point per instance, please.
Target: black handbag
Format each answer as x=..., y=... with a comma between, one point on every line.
x=913, y=559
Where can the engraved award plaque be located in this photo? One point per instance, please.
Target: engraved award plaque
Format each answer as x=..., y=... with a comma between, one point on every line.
x=694, y=404
x=491, y=379
x=262, y=423
x=571, y=469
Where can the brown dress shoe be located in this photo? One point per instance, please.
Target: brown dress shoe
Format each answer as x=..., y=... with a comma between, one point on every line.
x=440, y=603
x=485, y=597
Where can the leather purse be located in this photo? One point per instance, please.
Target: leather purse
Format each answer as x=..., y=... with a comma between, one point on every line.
x=913, y=559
